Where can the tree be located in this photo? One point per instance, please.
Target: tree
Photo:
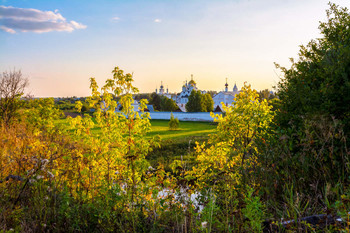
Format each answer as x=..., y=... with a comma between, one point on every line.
x=226, y=163
x=319, y=82
x=167, y=104
x=155, y=101
x=313, y=112
x=207, y=103
x=174, y=122
x=117, y=155
x=198, y=102
x=194, y=102
x=238, y=131
x=12, y=85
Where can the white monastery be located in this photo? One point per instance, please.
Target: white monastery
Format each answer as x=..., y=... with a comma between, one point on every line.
x=223, y=97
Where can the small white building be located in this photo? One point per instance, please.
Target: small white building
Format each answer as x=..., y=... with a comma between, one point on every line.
x=225, y=97
x=163, y=92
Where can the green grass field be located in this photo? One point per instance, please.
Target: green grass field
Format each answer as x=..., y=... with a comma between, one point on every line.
x=161, y=128
x=186, y=129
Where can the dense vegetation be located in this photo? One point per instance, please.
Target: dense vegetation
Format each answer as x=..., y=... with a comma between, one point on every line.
x=198, y=102
x=278, y=159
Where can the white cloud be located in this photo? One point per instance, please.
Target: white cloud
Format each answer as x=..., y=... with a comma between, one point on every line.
x=6, y=29
x=77, y=25
x=157, y=20
x=33, y=20
x=116, y=18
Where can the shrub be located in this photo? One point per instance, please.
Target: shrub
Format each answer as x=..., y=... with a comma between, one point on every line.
x=173, y=123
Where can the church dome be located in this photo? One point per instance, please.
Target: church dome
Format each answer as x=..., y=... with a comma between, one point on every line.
x=192, y=82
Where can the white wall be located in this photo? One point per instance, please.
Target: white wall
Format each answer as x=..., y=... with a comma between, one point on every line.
x=183, y=116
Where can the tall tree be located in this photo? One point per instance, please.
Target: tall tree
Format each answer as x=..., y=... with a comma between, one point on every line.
x=194, y=102
x=12, y=85
x=207, y=103
x=319, y=82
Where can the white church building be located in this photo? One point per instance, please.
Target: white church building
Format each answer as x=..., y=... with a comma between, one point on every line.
x=225, y=97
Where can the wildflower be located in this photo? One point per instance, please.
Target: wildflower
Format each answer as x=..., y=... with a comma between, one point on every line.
x=204, y=224
x=51, y=175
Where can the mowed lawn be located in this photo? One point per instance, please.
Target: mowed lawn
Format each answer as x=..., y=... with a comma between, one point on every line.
x=186, y=129
x=161, y=128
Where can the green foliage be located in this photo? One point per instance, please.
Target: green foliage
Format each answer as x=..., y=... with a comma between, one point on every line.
x=173, y=123
x=318, y=83
x=198, y=102
x=155, y=101
x=167, y=104
x=207, y=103
x=126, y=129
x=194, y=102
x=234, y=146
x=162, y=103
x=254, y=211
x=266, y=94
x=319, y=160
x=307, y=148
x=231, y=157
x=65, y=105
x=41, y=113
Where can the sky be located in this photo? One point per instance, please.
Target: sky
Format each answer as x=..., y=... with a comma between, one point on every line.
x=59, y=44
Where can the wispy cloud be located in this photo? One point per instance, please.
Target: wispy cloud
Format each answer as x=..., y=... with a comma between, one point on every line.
x=6, y=29
x=115, y=19
x=33, y=20
x=157, y=21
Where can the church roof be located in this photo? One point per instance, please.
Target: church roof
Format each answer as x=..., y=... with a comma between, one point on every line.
x=226, y=93
x=192, y=82
x=235, y=88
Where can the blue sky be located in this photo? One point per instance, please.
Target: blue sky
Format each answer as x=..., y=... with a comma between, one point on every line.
x=156, y=40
